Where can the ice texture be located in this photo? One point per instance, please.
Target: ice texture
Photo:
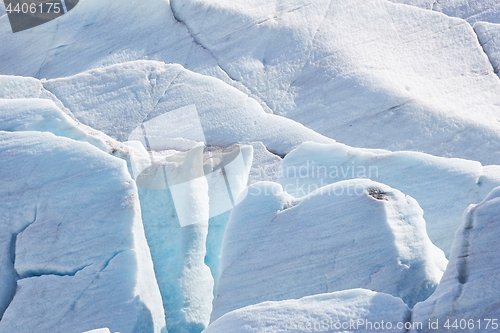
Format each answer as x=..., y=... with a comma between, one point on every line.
x=118, y=99
x=72, y=234
x=352, y=234
x=185, y=207
x=348, y=311
x=489, y=37
x=469, y=286
x=368, y=73
x=443, y=187
x=470, y=10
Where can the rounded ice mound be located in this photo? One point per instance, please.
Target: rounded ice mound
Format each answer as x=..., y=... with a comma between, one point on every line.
x=358, y=309
x=174, y=106
x=351, y=234
x=443, y=187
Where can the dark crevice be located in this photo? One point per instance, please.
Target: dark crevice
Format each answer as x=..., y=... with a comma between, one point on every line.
x=40, y=272
x=409, y=319
x=463, y=257
x=12, y=257
x=282, y=156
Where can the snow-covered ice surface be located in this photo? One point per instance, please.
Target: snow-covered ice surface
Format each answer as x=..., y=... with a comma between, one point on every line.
x=489, y=37
x=470, y=10
x=18, y=87
x=43, y=115
x=404, y=77
x=469, y=286
x=352, y=234
x=98, y=33
x=319, y=313
x=118, y=99
x=72, y=234
x=443, y=187
x=265, y=166
x=114, y=219
x=380, y=75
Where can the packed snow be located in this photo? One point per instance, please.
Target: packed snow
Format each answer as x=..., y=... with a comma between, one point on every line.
x=470, y=10
x=381, y=75
x=348, y=311
x=251, y=166
x=443, y=187
x=352, y=234
x=118, y=99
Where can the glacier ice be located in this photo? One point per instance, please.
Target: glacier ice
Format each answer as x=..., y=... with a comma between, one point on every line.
x=184, y=215
x=352, y=234
x=407, y=78
x=72, y=229
x=489, y=37
x=265, y=166
x=178, y=253
x=184, y=82
x=99, y=330
x=118, y=99
x=43, y=115
x=468, y=288
x=443, y=187
x=380, y=75
x=35, y=114
x=98, y=33
x=347, y=311
x=470, y=10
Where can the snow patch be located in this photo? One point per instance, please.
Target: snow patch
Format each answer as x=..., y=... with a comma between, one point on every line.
x=443, y=187
x=381, y=75
x=118, y=100
x=326, y=312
